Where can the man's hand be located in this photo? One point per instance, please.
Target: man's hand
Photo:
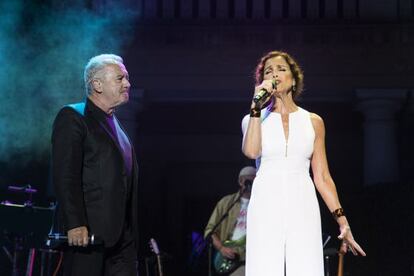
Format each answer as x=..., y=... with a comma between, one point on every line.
x=78, y=236
x=228, y=252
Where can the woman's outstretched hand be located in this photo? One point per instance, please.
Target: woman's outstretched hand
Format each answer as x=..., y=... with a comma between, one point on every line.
x=348, y=242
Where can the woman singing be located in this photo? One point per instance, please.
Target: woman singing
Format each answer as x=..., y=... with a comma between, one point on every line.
x=283, y=221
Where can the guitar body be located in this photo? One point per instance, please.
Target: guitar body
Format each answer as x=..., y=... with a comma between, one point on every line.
x=223, y=265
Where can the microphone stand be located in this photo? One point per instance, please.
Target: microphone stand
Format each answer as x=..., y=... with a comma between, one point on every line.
x=210, y=240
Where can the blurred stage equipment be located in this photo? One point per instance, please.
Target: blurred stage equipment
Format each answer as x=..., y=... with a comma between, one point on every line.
x=24, y=227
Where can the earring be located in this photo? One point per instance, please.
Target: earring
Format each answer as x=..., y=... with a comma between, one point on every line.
x=294, y=88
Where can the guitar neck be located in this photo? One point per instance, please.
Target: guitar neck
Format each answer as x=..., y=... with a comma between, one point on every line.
x=160, y=273
x=340, y=264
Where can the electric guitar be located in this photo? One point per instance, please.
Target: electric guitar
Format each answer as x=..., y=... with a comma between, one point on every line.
x=223, y=265
x=155, y=249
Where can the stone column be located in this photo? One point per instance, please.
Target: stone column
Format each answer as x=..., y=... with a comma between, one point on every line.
x=379, y=107
x=407, y=150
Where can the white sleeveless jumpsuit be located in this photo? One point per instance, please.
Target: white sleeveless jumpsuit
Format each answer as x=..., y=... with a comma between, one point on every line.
x=283, y=220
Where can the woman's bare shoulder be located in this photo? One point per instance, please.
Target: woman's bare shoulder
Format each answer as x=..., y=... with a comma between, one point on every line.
x=317, y=122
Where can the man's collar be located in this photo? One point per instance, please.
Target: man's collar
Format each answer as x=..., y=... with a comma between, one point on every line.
x=95, y=110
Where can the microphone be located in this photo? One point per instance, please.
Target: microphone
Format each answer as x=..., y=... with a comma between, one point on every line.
x=58, y=239
x=263, y=94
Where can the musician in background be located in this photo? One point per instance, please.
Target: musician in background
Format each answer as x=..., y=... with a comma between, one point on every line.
x=229, y=238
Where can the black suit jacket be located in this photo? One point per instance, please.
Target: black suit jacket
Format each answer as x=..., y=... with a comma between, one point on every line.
x=89, y=175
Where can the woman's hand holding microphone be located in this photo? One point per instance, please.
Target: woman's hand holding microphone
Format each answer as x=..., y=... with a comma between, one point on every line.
x=263, y=93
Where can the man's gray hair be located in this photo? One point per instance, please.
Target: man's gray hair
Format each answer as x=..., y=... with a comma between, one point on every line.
x=248, y=171
x=96, y=64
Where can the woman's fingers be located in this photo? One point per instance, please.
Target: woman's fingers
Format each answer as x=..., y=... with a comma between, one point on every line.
x=353, y=246
x=356, y=248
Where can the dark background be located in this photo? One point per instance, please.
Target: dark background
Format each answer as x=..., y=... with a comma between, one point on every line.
x=191, y=67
